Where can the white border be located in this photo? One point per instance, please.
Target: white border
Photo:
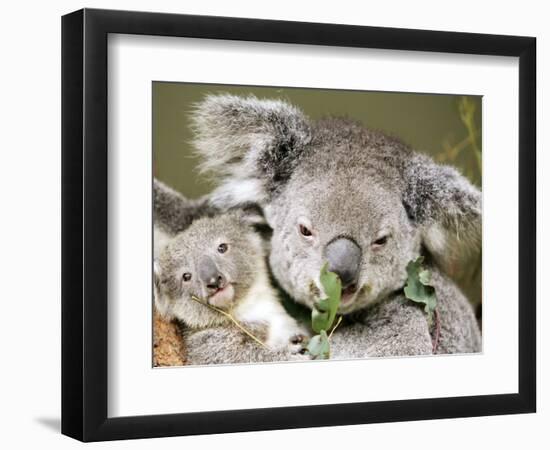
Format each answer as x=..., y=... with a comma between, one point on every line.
x=136, y=389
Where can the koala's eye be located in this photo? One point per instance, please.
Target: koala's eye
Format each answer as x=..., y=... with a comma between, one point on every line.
x=305, y=231
x=380, y=241
x=186, y=276
x=222, y=248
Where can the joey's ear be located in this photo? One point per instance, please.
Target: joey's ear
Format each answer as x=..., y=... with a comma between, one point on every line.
x=173, y=212
x=161, y=302
x=250, y=145
x=445, y=205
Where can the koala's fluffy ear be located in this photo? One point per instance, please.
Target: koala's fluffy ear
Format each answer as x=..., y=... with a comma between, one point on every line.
x=250, y=145
x=173, y=212
x=161, y=302
x=445, y=205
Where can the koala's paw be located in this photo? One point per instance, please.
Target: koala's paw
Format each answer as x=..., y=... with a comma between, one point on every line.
x=297, y=347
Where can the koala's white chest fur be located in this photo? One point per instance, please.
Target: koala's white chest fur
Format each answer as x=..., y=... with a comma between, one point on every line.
x=261, y=305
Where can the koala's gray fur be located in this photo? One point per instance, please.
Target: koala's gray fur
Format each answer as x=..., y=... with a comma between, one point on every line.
x=172, y=212
x=341, y=181
x=203, y=347
x=395, y=327
x=210, y=336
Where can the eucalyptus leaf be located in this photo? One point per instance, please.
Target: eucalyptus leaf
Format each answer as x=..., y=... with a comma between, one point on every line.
x=425, y=277
x=319, y=320
x=319, y=346
x=324, y=312
x=419, y=288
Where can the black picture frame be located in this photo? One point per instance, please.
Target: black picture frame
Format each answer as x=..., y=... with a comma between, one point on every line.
x=84, y=224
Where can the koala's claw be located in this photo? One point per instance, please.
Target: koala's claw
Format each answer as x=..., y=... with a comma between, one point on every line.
x=297, y=347
x=297, y=339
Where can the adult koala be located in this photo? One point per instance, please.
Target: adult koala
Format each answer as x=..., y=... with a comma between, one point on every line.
x=333, y=190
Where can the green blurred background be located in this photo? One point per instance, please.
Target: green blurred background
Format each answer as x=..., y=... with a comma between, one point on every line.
x=447, y=127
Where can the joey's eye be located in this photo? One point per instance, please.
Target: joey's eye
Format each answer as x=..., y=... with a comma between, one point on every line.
x=222, y=248
x=305, y=231
x=380, y=241
x=186, y=276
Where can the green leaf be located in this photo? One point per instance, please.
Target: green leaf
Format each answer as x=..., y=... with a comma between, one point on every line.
x=319, y=320
x=425, y=277
x=419, y=288
x=324, y=312
x=319, y=346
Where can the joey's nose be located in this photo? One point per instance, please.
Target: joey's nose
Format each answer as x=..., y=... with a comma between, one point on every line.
x=216, y=282
x=344, y=259
x=209, y=274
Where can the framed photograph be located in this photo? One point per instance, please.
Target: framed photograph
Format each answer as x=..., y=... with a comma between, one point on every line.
x=273, y=225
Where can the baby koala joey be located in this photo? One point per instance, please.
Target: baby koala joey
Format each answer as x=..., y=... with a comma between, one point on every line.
x=213, y=278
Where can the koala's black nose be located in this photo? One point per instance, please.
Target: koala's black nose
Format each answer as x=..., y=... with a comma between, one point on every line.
x=216, y=283
x=209, y=274
x=344, y=259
